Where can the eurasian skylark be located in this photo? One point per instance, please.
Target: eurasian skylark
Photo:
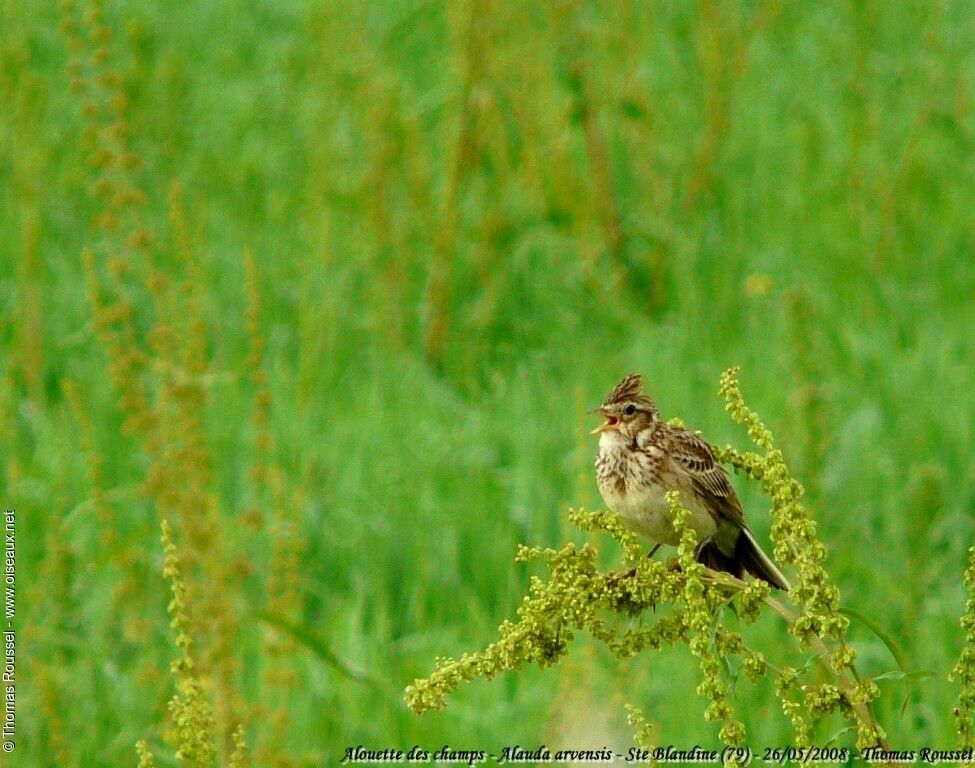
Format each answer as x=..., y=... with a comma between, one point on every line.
x=641, y=458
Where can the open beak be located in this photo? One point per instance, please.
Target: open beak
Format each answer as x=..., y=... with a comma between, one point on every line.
x=611, y=422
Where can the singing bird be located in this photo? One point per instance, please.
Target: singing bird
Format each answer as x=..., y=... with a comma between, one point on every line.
x=641, y=458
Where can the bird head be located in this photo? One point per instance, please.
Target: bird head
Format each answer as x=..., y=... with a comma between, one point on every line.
x=626, y=410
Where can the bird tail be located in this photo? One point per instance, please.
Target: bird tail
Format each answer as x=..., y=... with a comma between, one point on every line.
x=748, y=557
x=757, y=563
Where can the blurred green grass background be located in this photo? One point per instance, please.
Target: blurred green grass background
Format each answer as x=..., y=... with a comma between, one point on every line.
x=467, y=221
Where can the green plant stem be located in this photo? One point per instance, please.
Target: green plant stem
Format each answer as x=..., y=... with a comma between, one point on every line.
x=844, y=680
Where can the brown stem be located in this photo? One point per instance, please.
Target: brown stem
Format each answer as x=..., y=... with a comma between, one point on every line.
x=441, y=268
x=596, y=143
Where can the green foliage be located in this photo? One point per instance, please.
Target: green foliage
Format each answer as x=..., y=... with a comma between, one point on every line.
x=190, y=710
x=466, y=220
x=964, y=669
x=146, y=760
x=579, y=597
x=699, y=609
x=239, y=758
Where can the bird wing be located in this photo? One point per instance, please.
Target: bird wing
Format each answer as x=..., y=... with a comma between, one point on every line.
x=708, y=478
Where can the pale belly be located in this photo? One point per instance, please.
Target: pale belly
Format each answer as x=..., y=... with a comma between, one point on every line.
x=647, y=513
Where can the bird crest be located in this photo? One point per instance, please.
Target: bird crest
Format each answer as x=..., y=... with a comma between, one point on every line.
x=629, y=389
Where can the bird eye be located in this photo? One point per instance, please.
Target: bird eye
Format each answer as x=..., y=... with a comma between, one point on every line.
x=630, y=409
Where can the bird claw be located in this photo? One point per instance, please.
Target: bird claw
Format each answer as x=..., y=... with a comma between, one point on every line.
x=615, y=578
x=623, y=575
